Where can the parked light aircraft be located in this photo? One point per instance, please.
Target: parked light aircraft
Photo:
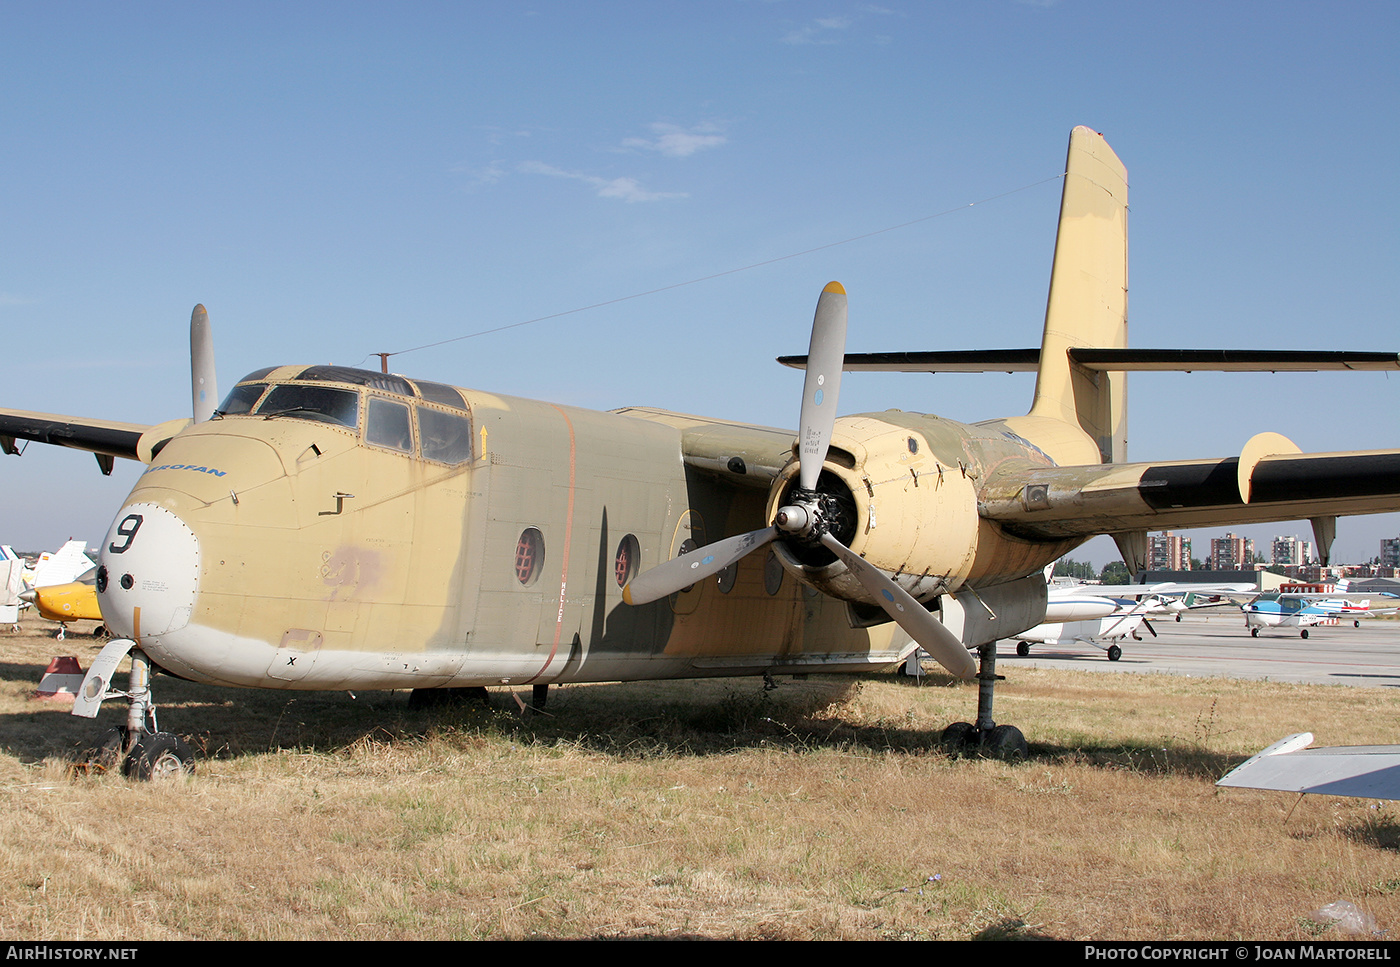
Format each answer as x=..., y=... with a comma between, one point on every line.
x=1285, y=609
x=333, y=528
x=1103, y=615
x=59, y=586
x=74, y=600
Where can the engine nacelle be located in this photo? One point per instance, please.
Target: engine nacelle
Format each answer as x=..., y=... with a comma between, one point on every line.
x=895, y=502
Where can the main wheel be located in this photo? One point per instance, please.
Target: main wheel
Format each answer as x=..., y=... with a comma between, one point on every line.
x=959, y=735
x=106, y=756
x=1254, y=632
x=1304, y=632
x=160, y=756
x=1023, y=649
x=1178, y=619
x=1005, y=741
x=1356, y=624
x=1114, y=653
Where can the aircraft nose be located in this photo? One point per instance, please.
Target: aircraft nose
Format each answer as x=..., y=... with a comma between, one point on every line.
x=149, y=572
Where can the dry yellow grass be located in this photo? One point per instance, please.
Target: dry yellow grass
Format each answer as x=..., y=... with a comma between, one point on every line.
x=823, y=809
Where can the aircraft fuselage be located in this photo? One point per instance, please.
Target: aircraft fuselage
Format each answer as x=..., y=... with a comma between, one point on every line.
x=335, y=528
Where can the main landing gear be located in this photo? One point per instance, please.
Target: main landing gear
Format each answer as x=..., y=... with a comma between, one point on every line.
x=139, y=749
x=986, y=736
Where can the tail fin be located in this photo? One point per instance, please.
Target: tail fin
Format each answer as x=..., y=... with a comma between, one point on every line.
x=63, y=565
x=1088, y=304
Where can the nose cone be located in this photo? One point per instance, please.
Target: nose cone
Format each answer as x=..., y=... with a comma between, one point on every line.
x=149, y=573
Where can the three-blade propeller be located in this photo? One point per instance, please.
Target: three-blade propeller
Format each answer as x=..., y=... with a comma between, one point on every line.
x=803, y=518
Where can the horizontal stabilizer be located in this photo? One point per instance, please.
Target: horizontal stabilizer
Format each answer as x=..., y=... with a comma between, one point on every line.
x=1115, y=361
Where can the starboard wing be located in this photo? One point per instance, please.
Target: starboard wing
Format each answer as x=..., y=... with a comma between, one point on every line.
x=1052, y=502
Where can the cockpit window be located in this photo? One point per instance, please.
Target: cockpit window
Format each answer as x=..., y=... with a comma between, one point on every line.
x=440, y=393
x=360, y=377
x=446, y=437
x=241, y=400
x=387, y=425
x=321, y=403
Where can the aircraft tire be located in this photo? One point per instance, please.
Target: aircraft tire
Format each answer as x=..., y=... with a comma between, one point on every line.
x=1178, y=619
x=1356, y=624
x=959, y=735
x=1005, y=742
x=159, y=757
x=1114, y=653
x=1023, y=649
x=1254, y=632
x=1304, y=632
x=106, y=756
x=100, y=631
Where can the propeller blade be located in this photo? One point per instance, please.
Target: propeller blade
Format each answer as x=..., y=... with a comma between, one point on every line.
x=825, y=357
x=681, y=572
x=204, y=388
x=923, y=627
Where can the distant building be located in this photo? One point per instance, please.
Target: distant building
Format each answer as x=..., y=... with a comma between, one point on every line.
x=1169, y=552
x=1231, y=553
x=1286, y=551
x=1318, y=573
x=1390, y=552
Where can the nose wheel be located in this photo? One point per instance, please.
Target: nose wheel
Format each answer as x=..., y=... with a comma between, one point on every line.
x=138, y=748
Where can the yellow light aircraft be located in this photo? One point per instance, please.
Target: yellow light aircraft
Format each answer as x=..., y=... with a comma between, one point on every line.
x=72, y=601
x=334, y=528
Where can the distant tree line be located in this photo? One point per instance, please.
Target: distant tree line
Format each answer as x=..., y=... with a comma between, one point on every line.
x=1114, y=573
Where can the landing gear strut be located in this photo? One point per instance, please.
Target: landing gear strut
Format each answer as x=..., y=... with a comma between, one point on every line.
x=988, y=737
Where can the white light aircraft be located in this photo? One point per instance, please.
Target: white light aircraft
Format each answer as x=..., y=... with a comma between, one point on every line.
x=1304, y=610
x=1103, y=615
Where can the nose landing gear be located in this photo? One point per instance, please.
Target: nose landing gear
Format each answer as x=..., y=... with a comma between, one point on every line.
x=138, y=748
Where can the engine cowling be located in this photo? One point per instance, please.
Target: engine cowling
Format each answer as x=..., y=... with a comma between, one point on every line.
x=885, y=494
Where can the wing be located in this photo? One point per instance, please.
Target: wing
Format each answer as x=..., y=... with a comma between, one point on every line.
x=1054, y=502
x=107, y=439
x=1364, y=771
x=741, y=454
x=96, y=436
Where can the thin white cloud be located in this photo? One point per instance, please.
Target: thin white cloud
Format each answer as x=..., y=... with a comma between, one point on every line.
x=626, y=189
x=820, y=31
x=478, y=176
x=675, y=141
x=6, y=299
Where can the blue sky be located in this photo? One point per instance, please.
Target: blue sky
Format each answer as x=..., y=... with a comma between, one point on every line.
x=334, y=180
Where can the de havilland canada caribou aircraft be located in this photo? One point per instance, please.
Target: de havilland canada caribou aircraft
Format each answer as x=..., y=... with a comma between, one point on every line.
x=334, y=528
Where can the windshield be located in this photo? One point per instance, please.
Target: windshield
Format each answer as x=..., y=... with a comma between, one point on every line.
x=241, y=400
x=321, y=403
